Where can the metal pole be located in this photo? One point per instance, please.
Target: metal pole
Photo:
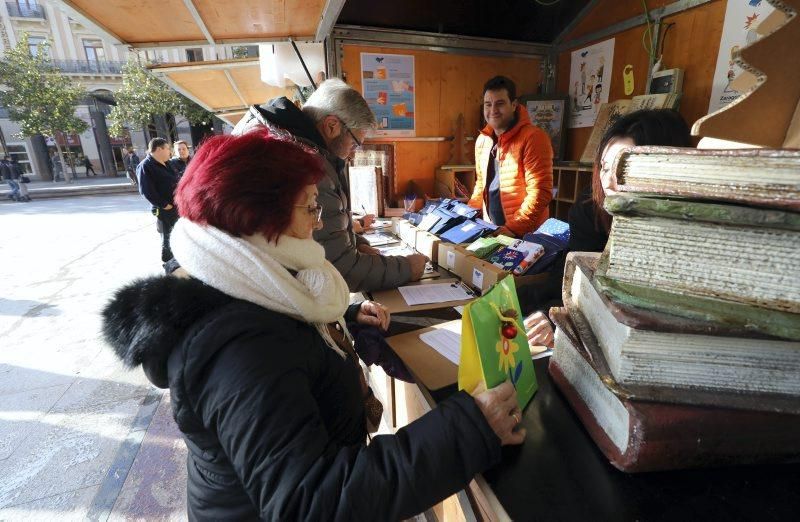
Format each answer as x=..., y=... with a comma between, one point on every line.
x=303, y=63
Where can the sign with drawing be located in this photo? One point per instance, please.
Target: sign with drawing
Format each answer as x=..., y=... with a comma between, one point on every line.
x=589, y=79
x=739, y=29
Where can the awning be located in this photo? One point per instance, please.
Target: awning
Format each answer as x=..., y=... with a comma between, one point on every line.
x=225, y=87
x=176, y=23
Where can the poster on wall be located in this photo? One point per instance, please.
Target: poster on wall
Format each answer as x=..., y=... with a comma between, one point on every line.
x=548, y=113
x=741, y=19
x=387, y=82
x=589, y=78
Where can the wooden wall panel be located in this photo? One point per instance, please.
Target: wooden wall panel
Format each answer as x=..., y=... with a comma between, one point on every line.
x=446, y=85
x=609, y=12
x=691, y=44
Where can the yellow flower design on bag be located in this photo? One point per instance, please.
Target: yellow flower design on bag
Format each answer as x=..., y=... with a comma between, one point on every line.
x=506, y=348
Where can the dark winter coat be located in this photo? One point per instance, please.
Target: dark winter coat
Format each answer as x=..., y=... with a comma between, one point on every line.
x=274, y=418
x=363, y=272
x=178, y=165
x=157, y=182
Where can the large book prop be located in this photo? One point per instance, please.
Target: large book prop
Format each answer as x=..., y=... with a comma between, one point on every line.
x=768, y=114
x=679, y=345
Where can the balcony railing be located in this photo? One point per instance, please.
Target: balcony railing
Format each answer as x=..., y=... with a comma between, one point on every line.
x=22, y=11
x=88, y=67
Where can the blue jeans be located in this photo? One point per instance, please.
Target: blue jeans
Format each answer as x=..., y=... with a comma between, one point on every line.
x=14, y=188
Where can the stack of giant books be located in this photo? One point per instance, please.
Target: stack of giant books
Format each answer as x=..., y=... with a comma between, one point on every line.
x=679, y=345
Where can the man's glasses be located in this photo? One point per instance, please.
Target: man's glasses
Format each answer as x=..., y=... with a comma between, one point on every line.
x=316, y=211
x=355, y=140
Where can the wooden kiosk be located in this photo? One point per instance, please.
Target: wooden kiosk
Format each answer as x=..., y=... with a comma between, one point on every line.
x=558, y=473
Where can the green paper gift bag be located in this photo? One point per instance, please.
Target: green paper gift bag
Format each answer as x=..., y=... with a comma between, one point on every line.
x=489, y=356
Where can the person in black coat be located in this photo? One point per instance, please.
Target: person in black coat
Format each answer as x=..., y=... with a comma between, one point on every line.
x=589, y=223
x=250, y=337
x=157, y=182
x=181, y=159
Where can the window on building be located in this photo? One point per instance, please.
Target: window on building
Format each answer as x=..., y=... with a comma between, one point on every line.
x=245, y=51
x=94, y=50
x=194, y=55
x=33, y=44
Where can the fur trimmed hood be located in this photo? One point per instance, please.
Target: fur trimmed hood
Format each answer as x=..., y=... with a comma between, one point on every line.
x=147, y=318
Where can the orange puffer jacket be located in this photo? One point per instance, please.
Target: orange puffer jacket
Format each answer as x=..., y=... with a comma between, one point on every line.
x=526, y=173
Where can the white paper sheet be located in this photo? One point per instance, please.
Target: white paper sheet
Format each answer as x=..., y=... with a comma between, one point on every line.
x=445, y=342
x=436, y=293
x=398, y=250
x=379, y=238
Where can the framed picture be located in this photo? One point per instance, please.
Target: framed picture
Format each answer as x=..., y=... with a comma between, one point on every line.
x=549, y=113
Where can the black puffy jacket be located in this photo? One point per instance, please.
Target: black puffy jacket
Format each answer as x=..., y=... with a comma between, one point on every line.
x=274, y=419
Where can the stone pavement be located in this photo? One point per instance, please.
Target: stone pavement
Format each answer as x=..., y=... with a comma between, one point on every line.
x=81, y=437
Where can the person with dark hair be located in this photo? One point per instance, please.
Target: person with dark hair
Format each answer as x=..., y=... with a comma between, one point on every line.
x=181, y=159
x=131, y=161
x=250, y=337
x=334, y=122
x=88, y=164
x=589, y=223
x=513, y=162
x=157, y=182
x=10, y=175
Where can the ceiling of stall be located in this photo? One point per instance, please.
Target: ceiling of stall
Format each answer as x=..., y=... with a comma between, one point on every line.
x=525, y=20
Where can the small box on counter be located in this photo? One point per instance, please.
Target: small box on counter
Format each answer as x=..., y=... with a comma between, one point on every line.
x=452, y=257
x=428, y=245
x=407, y=233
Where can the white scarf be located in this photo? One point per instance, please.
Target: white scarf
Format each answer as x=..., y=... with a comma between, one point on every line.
x=256, y=270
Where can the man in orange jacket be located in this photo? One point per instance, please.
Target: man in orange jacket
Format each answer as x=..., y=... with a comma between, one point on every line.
x=514, y=163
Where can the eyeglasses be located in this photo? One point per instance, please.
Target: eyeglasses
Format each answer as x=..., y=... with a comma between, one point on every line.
x=357, y=142
x=316, y=211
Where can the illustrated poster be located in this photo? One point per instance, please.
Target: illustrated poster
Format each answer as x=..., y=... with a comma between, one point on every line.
x=741, y=19
x=388, y=86
x=589, y=79
x=548, y=115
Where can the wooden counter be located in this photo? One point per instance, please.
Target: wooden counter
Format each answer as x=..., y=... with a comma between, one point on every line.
x=559, y=474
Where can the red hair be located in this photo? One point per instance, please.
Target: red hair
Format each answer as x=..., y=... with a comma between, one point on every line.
x=246, y=184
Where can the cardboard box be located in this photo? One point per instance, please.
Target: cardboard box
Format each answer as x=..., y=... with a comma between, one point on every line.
x=396, y=225
x=453, y=257
x=427, y=244
x=407, y=233
x=481, y=275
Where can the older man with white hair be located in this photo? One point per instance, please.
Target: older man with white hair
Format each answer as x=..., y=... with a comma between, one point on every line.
x=334, y=122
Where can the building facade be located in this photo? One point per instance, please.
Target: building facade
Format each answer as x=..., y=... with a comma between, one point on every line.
x=96, y=64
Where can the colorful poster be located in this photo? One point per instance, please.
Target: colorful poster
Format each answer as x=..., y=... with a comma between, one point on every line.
x=548, y=115
x=741, y=19
x=589, y=78
x=387, y=82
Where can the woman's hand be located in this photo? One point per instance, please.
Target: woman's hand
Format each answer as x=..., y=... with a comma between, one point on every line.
x=373, y=314
x=499, y=407
x=539, y=330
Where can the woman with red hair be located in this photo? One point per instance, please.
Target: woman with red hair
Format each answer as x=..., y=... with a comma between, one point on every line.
x=265, y=385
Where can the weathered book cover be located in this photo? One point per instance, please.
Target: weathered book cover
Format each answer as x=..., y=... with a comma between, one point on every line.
x=666, y=350
x=641, y=434
x=740, y=265
x=648, y=205
x=760, y=177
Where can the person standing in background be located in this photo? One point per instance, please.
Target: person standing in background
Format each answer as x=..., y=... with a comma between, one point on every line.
x=157, y=182
x=131, y=161
x=181, y=159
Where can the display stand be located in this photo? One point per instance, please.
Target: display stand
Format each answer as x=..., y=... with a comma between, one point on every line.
x=446, y=177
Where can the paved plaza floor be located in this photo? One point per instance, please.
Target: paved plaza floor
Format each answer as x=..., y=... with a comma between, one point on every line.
x=81, y=437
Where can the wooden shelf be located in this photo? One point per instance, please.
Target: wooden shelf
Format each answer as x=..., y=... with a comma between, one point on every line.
x=570, y=179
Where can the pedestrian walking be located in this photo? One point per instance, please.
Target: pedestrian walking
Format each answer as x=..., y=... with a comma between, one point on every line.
x=58, y=167
x=10, y=177
x=89, y=167
x=131, y=161
x=21, y=179
x=157, y=182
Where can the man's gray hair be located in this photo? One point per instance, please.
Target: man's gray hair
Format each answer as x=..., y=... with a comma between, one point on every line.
x=334, y=97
